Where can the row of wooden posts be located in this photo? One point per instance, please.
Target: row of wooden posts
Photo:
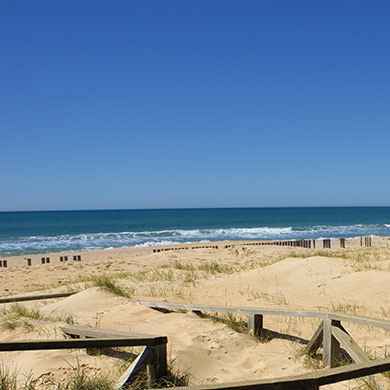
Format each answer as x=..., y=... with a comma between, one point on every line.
x=46, y=260
x=367, y=241
x=326, y=243
x=157, y=250
x=364, y=241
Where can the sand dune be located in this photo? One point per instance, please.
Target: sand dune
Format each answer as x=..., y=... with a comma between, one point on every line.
x=210, y=351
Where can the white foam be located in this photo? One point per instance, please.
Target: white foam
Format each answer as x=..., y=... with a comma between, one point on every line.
x=104, y=240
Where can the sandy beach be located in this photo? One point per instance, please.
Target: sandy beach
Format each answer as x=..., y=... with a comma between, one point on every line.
x=353, y=280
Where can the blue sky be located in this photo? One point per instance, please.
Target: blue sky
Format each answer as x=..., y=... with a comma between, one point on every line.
x=155, y=104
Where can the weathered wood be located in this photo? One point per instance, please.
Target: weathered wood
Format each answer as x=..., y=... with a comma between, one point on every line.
x=272, y=312
x=36, y=297
x=139, y=363
x=330, y=345
x=255, y=325
x=310, y=380
x=316, y=341
x=233, y=309
x=155, y=355
x=359, y=320
x=353, y=350
x=81, y=343
x=88, y=332
x=158, y=366
x=349, y=345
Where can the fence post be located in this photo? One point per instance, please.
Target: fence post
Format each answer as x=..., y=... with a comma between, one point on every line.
x=158, y=366
x=331, y=346
x=255, y=325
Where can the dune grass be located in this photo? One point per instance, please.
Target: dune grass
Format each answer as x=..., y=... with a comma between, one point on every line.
x=110, y=285
x=80, y=380
x=229, y=319
x=9, y=380
x=18, y=315
x=21, y=311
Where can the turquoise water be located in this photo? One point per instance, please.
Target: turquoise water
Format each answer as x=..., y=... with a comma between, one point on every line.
x=35, y=232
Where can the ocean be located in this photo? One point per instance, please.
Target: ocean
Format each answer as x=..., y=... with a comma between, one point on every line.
x=52, y=231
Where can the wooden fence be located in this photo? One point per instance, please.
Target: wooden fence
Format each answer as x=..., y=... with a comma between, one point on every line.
x=36, y=297
x=153, y=355
x=331, y=335
x=301, y=243
x=312, y=380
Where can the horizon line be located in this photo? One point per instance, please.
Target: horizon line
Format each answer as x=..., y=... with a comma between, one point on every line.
x=183, y=208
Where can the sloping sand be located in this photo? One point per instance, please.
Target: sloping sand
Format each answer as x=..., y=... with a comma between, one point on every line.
x=209, y=351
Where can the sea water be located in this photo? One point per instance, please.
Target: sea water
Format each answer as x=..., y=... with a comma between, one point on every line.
x=50, y=231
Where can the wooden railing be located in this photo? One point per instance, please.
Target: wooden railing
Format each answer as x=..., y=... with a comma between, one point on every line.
x=154, y=353
x=331, y=335
x=36, y=297
x=312, y=380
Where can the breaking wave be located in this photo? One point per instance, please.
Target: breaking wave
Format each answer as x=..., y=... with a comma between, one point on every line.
x=93, y=241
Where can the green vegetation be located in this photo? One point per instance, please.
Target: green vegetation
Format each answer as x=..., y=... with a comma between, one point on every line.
x=216, y=268
x=229, y=319
x=80, y=380
x=109, y=284
x=174, y=378
x=9, y=325
x=22, y=311
x=183, y=267
x=8, y=380
x=29, y=319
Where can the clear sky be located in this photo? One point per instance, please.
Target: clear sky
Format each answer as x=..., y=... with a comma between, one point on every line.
x=149, y=104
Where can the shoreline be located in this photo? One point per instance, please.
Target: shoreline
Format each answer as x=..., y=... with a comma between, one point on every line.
x=20, y=259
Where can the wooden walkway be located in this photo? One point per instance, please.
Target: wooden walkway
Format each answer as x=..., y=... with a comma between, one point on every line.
x=312, y=380
x=36, y=297
x=153, y=355
x=330, y=335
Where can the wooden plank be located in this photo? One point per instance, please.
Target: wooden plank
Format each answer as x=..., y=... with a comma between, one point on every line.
x=350, y=346
x=159, y=365
x=85, y=331
x=353, y=350
x=311, y=380
x=81, y=343
x=272, y=312
x=330, y=345
x=233, y=309
x=36, y=297
x=360, y=320
x=316, y=341
x=140, y=362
